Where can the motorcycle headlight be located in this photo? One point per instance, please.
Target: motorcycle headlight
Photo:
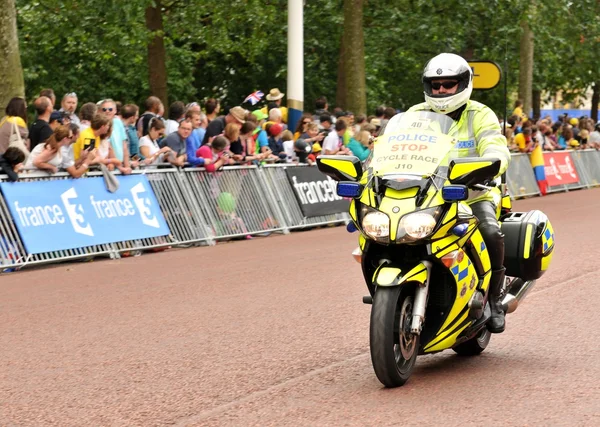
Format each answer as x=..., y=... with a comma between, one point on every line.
x=376, y=225
x=418, y=225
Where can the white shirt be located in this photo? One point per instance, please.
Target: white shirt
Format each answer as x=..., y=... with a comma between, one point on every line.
x=171, y=126
x=331, y=142
x=146, y=141
x=594, y=137
x=288, y=148
x=59, y=160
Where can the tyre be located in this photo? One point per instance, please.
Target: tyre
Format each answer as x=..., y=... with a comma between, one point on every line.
x=393, y=348
x=475, y=345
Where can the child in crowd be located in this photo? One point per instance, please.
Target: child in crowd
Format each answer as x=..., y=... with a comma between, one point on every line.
x=287, y=139
x=11, y=162
x=274, y=131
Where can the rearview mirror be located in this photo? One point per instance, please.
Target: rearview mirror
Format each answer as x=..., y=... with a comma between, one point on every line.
x=472, y=170
x=340, y=168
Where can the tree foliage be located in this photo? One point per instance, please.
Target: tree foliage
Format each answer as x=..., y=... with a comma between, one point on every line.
x=229, y=49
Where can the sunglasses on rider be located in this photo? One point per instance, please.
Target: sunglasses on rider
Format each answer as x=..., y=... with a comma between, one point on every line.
x=447, y=85
x=107, y=109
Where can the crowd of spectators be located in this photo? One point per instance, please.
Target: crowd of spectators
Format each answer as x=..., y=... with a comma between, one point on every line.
x=121, y=138
x=524, y=134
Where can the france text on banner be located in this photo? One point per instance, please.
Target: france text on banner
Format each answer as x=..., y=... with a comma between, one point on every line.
x=560, y=169
x=315, y=192
x=74, y=213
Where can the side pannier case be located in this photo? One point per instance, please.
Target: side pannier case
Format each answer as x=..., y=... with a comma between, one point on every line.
x=528, y=244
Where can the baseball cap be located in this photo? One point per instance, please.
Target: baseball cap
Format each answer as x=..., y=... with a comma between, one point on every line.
x=56, y=116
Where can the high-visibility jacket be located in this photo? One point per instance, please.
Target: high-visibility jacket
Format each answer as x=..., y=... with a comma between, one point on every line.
x=478, y=134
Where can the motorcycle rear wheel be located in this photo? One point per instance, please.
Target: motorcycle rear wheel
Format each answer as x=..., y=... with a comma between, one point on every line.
x=475, y=345
x=393, y=348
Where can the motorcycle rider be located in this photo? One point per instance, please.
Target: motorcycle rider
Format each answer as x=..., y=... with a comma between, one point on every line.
x=448, y=83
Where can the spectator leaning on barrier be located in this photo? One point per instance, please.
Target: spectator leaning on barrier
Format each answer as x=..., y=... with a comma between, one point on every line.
x=11, y=162
x=40, y=130
x=274, y=131
x=249, y=145
x=259, y=134
x=361, y=145
x=54, y=155
x=149, y=148
x=334, y=142
x=232, y=133
x=216, y=127
x=176, y=115
x=287, y=140
x=105, y=154
x=118, y=135
x=312, y=134
x=177, y=143
x=214, y=154
x=16, y=114
x=89, y=139
x=129, y=114
x=193, y=142
x=68, y=106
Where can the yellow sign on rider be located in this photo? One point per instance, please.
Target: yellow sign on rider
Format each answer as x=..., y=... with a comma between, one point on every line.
x=411, y=152
x=486, y=74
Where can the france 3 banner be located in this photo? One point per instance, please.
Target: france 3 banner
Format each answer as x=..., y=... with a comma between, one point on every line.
x=559, y=168
x=315, y=192
x=73, y=213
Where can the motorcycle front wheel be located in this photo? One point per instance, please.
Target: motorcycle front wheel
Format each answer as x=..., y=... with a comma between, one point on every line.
x=393, y=348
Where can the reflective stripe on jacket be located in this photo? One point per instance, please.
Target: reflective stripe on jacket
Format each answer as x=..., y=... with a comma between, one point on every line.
x=478, y=135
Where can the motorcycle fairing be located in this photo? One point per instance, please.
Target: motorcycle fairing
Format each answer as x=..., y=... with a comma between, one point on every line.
x=388, y=275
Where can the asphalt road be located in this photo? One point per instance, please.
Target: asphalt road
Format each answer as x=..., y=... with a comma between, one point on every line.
x=272, y=331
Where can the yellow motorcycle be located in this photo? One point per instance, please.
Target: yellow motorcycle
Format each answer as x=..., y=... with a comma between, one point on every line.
x=423, y=258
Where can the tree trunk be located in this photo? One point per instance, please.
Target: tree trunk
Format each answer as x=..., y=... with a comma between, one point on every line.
x=526, y=66
x=537, y=104
x=341, y=92
x=157, y=57
x=595, y=101
x=353, y=51
x=11, y=72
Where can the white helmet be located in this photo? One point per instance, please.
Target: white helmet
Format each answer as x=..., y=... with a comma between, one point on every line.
x=449, y=66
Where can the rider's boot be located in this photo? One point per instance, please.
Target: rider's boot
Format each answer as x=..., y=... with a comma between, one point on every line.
x=496, y=323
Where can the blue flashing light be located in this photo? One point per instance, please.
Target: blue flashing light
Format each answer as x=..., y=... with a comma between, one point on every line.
x=351, y=228
x=348, y=189
x=454, y=193
x=460, y=230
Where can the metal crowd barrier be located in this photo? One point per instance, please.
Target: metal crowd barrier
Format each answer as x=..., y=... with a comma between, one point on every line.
x=201, y=208
x=233, y=203
x=520, y=177
x=283, y=195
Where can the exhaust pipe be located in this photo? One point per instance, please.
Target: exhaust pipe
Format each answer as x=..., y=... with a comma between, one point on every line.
x=516, y=294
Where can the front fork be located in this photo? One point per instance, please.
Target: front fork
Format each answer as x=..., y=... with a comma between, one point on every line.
x=418, y=314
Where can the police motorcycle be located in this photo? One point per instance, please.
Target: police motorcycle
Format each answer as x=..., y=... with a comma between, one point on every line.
x=423, y=258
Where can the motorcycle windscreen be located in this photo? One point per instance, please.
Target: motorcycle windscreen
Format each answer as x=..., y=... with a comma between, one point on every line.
x=413, y=144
